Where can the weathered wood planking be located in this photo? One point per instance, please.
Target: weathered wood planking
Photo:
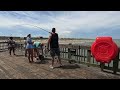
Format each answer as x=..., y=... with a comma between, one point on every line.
x=78, y=53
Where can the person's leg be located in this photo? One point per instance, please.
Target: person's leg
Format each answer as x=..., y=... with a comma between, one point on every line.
x=42, y=50
x=52, y=52
x=40, y=54
x=46, y=51
x=37, y=52
x=59, y=59
x=10, y=49
x=25, y=52
x=52, y=60
x=34, y=51
x=13, y=50
x=28, y=50
x=31, y=52
x=52, y=64
x=57, y=51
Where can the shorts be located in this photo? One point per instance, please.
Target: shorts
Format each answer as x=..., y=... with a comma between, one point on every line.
x=30, y=46
x=55, y=51
x=11, y=48
x=34, y=46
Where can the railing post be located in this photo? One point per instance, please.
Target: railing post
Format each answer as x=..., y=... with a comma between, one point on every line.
x=69, y=55
x=102, y=66
x=79, y=54
x=0, y=46
x=88, y=57
x=115, y=64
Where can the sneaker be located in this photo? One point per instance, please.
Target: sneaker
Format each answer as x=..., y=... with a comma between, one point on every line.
x=51, y=67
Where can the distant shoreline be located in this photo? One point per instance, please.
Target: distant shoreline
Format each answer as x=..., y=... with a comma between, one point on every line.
x=75, y=41
x=6, y=37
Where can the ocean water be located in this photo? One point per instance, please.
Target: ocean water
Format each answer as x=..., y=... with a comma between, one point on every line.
x=89, y=42
x=74, y=42
x=117, y=41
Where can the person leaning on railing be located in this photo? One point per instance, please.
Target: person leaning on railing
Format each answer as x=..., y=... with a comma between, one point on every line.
x=36, y=48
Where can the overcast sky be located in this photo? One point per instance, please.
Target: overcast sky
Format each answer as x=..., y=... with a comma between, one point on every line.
x=72, y=24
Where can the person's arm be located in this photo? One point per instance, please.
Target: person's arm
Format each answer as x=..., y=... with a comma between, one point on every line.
x=27, y=40
x=58, y=38
x=49, y=40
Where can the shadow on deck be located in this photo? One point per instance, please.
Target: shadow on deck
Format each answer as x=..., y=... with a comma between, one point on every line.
x=18, y=67
x=70, y=66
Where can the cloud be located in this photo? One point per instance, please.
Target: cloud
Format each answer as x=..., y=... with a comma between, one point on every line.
x=64, y=34
x=88, y=22
x=67, y=23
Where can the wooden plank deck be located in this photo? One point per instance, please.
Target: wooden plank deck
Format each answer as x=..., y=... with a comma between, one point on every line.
x=17, y=67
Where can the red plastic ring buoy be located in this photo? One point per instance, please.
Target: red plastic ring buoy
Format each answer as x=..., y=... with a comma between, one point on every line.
x=104, y=49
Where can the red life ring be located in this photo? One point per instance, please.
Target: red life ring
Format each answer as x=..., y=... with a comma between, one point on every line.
x=104, y=49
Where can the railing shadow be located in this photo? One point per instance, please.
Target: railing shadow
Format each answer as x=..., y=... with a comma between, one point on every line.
x=42, y=62
x=19, y=55
x=118, y=74
x=1, y=51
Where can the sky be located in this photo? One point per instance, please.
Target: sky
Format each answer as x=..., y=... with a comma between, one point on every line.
x=68, y=24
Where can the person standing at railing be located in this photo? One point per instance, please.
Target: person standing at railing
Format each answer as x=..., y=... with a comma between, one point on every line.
x=29, y=48
x=54, y=47
x=11, y=45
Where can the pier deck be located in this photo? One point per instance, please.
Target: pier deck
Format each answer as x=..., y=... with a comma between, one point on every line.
x=18, y=67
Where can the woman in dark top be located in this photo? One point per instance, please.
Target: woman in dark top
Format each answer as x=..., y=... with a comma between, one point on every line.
x=11, y=45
